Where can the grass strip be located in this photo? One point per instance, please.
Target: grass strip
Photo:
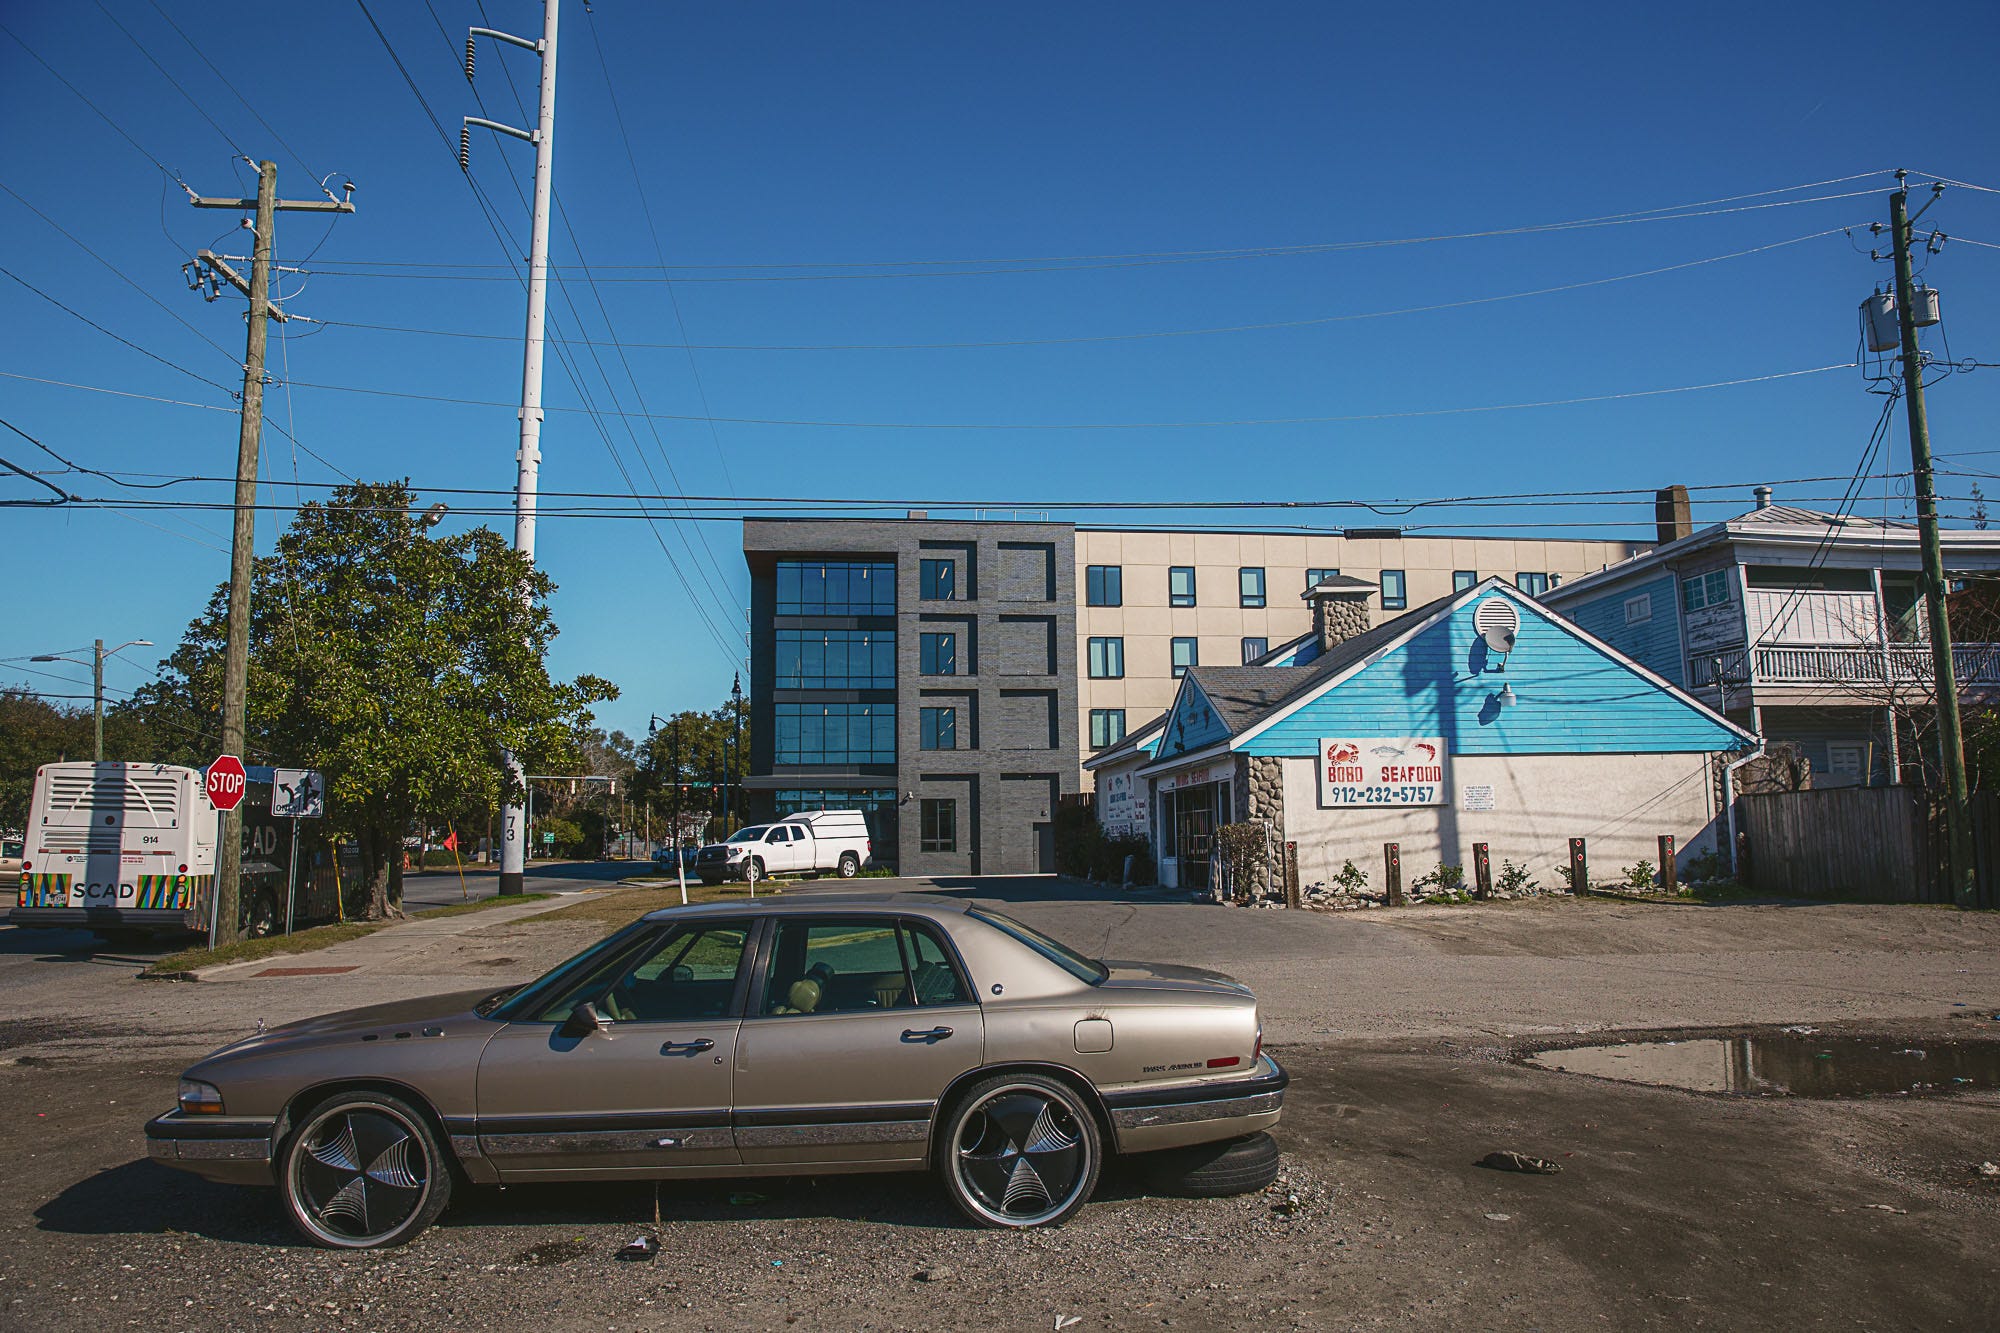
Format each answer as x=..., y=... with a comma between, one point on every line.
x=628, y=905
x=319, y=937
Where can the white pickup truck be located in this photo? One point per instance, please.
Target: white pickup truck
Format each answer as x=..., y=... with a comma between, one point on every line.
x=820, y=842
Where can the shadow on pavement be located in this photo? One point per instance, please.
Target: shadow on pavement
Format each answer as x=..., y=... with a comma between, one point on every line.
x=142, y=1198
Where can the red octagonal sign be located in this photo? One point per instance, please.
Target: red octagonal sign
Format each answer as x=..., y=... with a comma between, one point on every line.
x=226, y=782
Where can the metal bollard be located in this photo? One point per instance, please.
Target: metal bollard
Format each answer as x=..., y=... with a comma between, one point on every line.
x=1482, y=872
x=1392, y=872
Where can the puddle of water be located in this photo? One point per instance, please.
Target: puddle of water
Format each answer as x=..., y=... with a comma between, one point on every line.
x=1789, y=1066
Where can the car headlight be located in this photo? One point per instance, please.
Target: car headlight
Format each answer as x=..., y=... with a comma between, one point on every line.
x=199, y=1098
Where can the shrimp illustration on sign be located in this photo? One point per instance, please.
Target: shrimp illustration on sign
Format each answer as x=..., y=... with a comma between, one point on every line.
x=1425, y=751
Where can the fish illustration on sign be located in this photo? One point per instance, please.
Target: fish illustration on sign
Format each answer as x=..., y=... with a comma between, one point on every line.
x=1388, y=751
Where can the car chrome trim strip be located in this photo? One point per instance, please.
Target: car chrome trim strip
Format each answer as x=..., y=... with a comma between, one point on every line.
x=1228, y=1108
x=838, y=1134
x=1270, y=1078
x=832, y=1115
x=252, y=1150
x=663, y=1140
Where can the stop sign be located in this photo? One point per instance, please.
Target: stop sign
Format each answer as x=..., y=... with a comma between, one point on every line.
x=226, y=781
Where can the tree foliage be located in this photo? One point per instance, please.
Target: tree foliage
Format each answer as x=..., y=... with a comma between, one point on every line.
x=36, y=731
x=399, y=663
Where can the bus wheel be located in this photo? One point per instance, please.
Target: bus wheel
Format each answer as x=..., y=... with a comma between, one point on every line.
x=263, y=918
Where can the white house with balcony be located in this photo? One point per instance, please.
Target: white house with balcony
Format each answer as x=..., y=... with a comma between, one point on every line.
x=1801, y=625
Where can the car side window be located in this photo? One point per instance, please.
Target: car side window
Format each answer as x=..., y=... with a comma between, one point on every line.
x=933, y=976
x=688, y=974
x=777, y=835
x=798, y=833
x=827, y=967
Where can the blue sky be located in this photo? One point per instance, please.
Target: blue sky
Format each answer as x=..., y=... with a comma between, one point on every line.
x=856, y=146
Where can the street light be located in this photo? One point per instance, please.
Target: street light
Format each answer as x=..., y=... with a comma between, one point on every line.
x=97, y=679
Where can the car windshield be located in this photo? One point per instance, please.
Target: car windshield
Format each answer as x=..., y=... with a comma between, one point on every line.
x=508, y=1005
x=1069, y=960
x=755, y=833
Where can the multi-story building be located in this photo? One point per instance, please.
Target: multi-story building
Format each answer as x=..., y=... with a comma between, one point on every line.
x=922, y=672
x=1154, y=603
x=947, y=677
x=1805, y=627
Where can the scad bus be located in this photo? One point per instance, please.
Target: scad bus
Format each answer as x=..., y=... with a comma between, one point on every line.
x=131, y=848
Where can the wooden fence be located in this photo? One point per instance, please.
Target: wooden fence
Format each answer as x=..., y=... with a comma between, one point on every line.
x=1864, y=842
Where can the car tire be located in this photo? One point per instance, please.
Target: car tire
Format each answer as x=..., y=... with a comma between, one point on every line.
x=1214, y=1170
x=1020, y=1150
x=362, y=1171
x=850, y=865
x=753, y=872
x=262, y=918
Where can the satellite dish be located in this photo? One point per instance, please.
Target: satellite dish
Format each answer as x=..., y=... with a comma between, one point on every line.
x=1498, y=624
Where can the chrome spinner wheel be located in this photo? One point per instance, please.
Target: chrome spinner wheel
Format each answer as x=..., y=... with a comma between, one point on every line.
x=1023, y=1151
x=364, y=1171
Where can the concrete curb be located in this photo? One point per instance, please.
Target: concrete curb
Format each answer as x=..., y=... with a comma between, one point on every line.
x=413, y=930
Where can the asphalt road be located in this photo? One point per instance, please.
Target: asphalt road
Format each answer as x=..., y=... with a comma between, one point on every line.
x=1402, y=1031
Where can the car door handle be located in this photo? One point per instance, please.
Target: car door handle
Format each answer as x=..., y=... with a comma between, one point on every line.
x=934, y=1034
x=695, y=1047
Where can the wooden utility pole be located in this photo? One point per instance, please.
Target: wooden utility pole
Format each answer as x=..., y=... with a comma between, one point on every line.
x=1951, y=740
x=242, y=550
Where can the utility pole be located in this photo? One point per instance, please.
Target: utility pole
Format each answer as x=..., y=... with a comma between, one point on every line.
x=1951, y=740
x=528, y=457
x=236, y=649
x=96, y=681
x=735, y=746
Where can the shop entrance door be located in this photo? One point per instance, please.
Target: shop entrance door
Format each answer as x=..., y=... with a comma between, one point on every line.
x=1194, y=836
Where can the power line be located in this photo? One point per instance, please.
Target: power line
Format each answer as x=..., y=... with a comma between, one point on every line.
x=1267, y=326
x=224, y=79
x=171, y=365
x=101, y=113
x=168, y=76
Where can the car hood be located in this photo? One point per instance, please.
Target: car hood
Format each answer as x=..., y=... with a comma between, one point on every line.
x=1168, y=976
x=398, y=1015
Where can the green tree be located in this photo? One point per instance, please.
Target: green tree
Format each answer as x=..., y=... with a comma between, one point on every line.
x=35, y=730
x=685, y=763
x=400, y=664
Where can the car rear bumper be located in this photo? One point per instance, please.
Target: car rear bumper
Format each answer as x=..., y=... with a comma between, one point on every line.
x=1146, y=1119
x=235, y=1150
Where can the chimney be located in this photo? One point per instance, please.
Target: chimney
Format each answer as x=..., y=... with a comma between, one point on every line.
x=1763, y=494
x=1671, y=514
x=1340, y=609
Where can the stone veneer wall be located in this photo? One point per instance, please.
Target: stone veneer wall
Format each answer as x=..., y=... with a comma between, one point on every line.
x=1340, y=619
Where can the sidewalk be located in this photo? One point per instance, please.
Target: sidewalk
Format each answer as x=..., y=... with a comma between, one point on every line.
x=392, y=946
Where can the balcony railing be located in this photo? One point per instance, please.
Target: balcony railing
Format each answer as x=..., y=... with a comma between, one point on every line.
x=1855, y=666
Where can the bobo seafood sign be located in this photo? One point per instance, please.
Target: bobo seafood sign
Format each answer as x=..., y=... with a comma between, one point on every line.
x=1406, y=770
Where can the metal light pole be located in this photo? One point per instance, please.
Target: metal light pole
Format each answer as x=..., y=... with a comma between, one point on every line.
x=735, y=745
x=96, y=680
x=528, y=458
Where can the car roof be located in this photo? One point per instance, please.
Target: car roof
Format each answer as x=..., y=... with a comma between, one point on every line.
x=886, y=904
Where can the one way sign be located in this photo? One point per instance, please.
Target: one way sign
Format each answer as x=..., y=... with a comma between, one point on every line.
x=297, y=793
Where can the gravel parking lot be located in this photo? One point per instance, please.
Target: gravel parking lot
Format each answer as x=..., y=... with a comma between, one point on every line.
x=1401, y=1031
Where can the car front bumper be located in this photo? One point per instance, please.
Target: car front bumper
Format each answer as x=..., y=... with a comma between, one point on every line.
x=235, y=1150
x=1146, y=1119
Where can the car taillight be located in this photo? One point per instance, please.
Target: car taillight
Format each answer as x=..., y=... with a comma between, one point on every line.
x=1225, y=1061
x=1257, y=1053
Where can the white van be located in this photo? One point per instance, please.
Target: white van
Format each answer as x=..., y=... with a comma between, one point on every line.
x=818, y=842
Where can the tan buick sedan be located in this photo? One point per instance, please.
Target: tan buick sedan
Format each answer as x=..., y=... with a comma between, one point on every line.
x=794, y=1036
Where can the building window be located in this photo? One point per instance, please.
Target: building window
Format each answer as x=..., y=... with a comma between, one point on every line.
x=938, y=654
x=1395, y=596
x=1254, y=649
x=1461, y=579
x=1107, y=659
x=1250, y=586
x=940, y=729
x=1711, y=589
x=1532, y=584
x=1104, y=585
x=1187, y=653
x=834, y=733
x=836, y=588
x=835, y=659
x=1315, y=577
x=1180, y=585
x=937, y=826
x=938, y=581
x=1107, y=727
x=1639, y=609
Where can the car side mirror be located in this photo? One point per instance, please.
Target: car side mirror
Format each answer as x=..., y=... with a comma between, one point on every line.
x=582, y=1021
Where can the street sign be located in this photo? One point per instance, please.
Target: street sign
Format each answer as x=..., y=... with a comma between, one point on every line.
x=297, y=793
x=226, y=782
x=548, y=839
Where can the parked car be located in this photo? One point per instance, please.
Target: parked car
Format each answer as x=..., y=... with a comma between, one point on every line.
x=12, y=852
x=785, y=1036
x=819, y=842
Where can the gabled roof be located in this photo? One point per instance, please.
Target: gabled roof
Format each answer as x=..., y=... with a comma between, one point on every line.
x=1339, y=583
x=1793, y=516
